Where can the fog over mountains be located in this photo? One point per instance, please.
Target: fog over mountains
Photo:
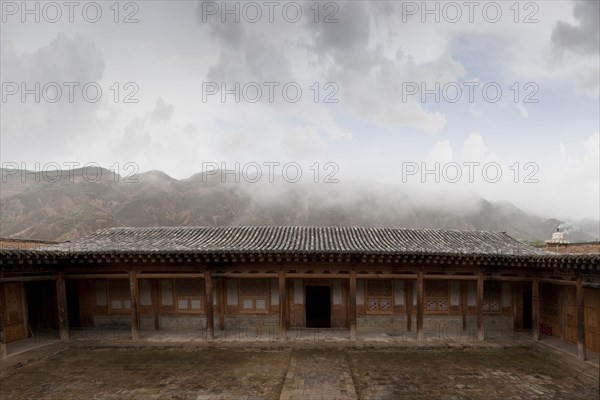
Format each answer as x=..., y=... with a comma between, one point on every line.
x=63, y=205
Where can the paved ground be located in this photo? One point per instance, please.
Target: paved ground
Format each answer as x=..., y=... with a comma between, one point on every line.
x=318, y=374
x=466, y=374
x=115, y=372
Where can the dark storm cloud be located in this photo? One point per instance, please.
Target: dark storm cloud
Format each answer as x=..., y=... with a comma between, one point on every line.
x=583, y=37
x=228, y=33
x=347, y=40
x=352, y=29
x=247, y=52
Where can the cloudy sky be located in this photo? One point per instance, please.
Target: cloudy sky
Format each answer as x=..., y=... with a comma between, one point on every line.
x=496, y=98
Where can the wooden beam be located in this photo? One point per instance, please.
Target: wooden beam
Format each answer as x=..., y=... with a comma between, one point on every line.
x=282, y=306
x=208, y=296
x=480, y=332
x=451, y=277
x=97, y=276
x=408, y=289
x=535, y=309
x=28, y=278
x=303, y=275
x=352, y=307
x=591, y=285
x=420, y=306
x=172, y=275
x=135, y=313
x=61, y=302
x=385, y=276
x=509, y=278
x=558, y=282
x=580, y=320
x=240, y=275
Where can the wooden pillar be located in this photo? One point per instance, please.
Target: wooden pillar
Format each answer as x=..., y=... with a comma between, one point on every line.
x=61, y=302
x=135, y=314
x=352, y=308
x=535, y=309
x=420, y=305
x=208, y=295
x=2, y=337
x=408, y=289
x=561, y=311
x=155, y=303
x=282, y=306
x=580, y=320
x=480, y=332
x=25, y=309
x=221, y=302
x=464, y=296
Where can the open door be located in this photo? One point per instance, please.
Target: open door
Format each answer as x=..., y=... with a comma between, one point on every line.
x=318, y=306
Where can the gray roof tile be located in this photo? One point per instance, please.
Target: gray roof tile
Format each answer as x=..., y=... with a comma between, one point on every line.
x=297, y=240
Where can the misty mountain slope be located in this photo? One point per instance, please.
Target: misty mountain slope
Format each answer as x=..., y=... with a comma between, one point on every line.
x=73, y=206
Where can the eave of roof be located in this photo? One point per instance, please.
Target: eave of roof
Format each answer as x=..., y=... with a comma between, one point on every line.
x=339, y=243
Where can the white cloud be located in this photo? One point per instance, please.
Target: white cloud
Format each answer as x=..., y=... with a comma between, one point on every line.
x=440, y=153
x=573, y=183
x=304, y=143
x=474, y=149
x=522, y=110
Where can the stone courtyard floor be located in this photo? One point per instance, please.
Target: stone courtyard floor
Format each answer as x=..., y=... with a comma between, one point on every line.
x=296, y=372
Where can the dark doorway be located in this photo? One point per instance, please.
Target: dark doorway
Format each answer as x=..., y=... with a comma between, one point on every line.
x=73, y=304
x=526, y=308
x=318, y=307
x=41, y=305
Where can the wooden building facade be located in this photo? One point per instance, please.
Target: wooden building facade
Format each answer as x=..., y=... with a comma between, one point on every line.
x=430, y=282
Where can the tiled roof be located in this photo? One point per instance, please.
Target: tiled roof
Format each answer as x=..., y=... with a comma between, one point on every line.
x=296, y=240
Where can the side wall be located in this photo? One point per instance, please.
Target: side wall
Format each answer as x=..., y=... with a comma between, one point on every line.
x=14, y=311
x=559, y=314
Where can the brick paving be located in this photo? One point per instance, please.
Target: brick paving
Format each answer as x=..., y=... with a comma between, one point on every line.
x=318, y=374
x=467, y=374
x=289, y=373
x=150, y=373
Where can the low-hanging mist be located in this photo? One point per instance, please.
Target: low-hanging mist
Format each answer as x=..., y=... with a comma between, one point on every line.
x=75, y=204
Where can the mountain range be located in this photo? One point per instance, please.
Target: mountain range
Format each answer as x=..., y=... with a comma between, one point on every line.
x=63, y=205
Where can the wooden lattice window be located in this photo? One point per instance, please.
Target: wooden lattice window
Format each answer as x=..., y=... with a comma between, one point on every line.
x=550, y=300
x=380, y=298
x=254, y=296
x=436, y=296
x=119, y=296
x=492, y=297
x=188, y=295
